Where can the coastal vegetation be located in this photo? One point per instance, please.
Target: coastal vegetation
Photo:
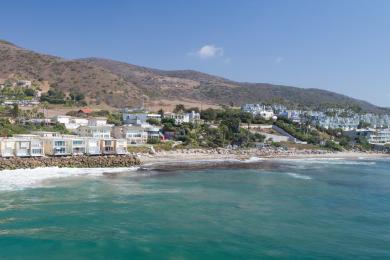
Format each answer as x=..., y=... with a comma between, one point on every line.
x=220, y=128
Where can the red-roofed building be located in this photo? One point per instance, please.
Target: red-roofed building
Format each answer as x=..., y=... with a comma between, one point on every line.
x=85, y=111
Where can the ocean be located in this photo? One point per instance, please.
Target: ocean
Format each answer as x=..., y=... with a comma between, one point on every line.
x=281, y=209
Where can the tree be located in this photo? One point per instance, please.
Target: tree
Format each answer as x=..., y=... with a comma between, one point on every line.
x=209, y=114
x=29, y=92
x=153, y=121
x=363, y=125
x=161, y=113
x=15, y=111
x=179, y=108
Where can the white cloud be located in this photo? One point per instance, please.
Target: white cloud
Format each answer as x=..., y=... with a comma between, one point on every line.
x=208, y=51
x=279, y=60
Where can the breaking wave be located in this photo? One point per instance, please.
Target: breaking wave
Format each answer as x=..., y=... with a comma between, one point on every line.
x=299, y=176
x=28, y=178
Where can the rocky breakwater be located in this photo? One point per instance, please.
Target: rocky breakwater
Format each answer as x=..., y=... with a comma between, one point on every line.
x=69, y=162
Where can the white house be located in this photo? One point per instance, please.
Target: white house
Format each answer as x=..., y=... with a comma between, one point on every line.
x=100, y=132
x=58, y=146
x=97, y=121
x=180, y=118
x=133, y=134
x=78, y=145
x=138, y=118
x=153, y=133
x=22, y=147
x=92, y=146
x=46, y=133
x=36, y=145
x=7, y=147
x=121, y=146
x=259, y=110
x=70, y=123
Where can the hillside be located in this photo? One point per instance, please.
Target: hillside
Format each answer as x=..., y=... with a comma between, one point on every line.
x=120, y=84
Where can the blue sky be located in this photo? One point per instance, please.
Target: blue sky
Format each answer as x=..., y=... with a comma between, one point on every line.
x=342, y=45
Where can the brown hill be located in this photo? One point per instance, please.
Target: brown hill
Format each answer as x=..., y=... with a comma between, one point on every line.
x=120, y=84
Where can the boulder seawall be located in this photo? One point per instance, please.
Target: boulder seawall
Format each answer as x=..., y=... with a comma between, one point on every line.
x=69, y=162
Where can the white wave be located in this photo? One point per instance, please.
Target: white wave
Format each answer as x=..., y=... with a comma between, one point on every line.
x=299, y=176
x=27, y=178
x=331, y=161
x=254, y=159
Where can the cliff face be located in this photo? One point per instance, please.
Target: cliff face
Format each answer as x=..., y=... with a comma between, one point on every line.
x=119, y=84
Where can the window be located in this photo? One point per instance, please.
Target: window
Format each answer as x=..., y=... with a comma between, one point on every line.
x=24, y=145
x=59, y=143
x=36, y=151
x=59, y=150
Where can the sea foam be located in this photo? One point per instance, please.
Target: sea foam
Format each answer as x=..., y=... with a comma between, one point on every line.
x=28, y=178
x=299, y=176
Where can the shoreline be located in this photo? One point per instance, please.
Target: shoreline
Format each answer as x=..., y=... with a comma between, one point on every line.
x=182, y=159
x=193, y=156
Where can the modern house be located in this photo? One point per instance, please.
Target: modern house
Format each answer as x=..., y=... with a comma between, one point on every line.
x=70, y=123
x=113, y=146
x=22, y=147
x=154, y=133
x=380, y=137
x=36, y=145
x=133, y=134
x=263, y=111
x=107, y=146
x=45, y=134
x=132, y=117
x=121, y=146
x=78, y=145
x=7, y=147
x=100, y=132
x=180, y=118
x=58, y=146
x=92, y=146
x=97, y=121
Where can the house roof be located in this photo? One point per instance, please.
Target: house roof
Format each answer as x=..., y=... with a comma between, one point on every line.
x=86, y=110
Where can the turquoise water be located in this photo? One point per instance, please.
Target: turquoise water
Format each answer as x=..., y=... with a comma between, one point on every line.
x=313, y=209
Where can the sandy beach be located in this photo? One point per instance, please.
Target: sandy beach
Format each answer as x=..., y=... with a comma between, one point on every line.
x=193, y=155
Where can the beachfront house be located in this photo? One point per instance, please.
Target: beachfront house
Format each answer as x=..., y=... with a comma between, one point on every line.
x=78, y=145
x=107, y=146
x=22, y=147
x=113, y=146
x=92, y=146
x=7, y=147
x=58, y=146
x=154, y=134
x=133, y=134
x=121, y=146
x=36, y=145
